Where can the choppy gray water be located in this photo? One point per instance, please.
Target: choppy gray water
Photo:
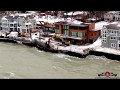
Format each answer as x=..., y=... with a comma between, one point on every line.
x=18, y=61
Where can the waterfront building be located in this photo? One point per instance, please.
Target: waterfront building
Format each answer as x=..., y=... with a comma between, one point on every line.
x=78, y=33
x=111, y=36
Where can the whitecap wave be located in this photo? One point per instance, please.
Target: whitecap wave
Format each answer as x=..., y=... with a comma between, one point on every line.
x=60, y=55
x=68, y=59
x=9, y=75
x=38, y=49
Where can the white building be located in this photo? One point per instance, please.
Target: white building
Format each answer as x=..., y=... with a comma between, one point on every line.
x=17, y=23
x=112, y=16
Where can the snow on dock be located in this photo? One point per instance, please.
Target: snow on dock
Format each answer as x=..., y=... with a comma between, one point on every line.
x=108, y=50
x=72, y=48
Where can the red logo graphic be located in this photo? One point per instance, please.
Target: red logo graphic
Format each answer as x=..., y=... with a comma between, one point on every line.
x=107, y=74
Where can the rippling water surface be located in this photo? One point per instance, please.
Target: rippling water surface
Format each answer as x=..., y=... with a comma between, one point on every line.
x=19, y=61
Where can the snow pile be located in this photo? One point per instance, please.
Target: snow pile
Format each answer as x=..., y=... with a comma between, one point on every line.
x=99, y=25
x=114, y=23
x=93, y=19
x=13, y=34
x=108, y=50
x=35, y=36
x=74, y=48
x=75, y=13
x=23, y=14
x=32, y=12
x=96, y=44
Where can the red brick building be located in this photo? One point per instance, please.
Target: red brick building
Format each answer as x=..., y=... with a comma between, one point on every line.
x=78, y=33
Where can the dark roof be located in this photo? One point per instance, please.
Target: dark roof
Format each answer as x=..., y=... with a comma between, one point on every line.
x=112, y=26
x=11, y=17
x=15, y=17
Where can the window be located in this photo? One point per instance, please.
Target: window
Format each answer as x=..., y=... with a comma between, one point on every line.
x=79, y=34
x=65, y=27
x=56, y=30
x=27, y=30
x=82, y=28
x=74, y=33
x=11, y=25
x=83, y=34
x=65, y=32
x=15, y=29
x=50, y=29
x=105, y=31
x=113, y=32
x=11, y=29
x=113, y=45
x=27, y=26
x=113, y=38
x=104, y=35
x=15, y=25
x=73, y=27
x=18, y=29
x=119, y=45
x=118, y=38
x=104, y=41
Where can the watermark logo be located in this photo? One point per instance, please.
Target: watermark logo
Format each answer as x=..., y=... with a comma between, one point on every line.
x=107, y=75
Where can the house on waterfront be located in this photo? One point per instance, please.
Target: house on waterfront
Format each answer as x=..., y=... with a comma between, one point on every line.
x=111, y=36
x=17, y=23
x=78, y=33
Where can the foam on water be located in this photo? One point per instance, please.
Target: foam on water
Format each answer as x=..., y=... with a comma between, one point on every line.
x=9, y=75
x=59, y=55
x=38, y=49
x=24, y=62
x=92, y=57
x=68, y=59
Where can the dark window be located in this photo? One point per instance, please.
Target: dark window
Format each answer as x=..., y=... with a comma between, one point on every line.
x=18, y=29
x=82, y=28
x=27, y=26
x=78, y=28
x=65, y=27
x=11, y=25
x=65, y=32
x=27, y=30
x=119, y=38
x=56, y=30
x=15, y=29
x=11, y=29
x=74, y=27
x=15, y=25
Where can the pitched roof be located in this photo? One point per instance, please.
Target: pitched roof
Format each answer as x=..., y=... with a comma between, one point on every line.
x=11, y=17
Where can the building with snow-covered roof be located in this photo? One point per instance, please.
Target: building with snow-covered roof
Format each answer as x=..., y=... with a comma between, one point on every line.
x=16, y=23
x=111, y=36
x=112, y=16
x=79, y=15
